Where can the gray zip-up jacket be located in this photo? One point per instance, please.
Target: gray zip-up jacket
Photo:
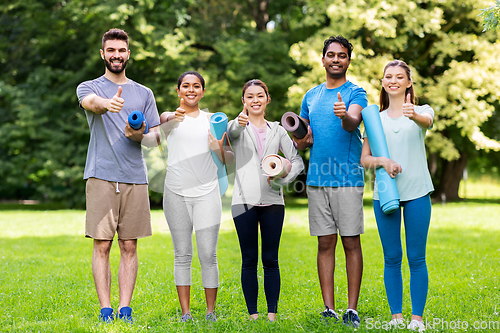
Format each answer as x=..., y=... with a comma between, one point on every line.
x=250, y=182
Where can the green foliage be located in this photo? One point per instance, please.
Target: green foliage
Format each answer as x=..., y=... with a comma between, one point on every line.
x=454, y=64
x=42, y=150
x=234, y=69
x=47, y=47
x=491, y=16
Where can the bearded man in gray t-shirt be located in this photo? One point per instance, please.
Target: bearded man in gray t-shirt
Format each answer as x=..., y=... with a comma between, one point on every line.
x=115, y=170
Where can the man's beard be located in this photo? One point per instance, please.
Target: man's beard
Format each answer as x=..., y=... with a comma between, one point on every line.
x=115, y=70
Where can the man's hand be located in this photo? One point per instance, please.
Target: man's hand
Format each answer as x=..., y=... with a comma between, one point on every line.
x=136, y=135
x=339, y=107
x=305, y=142
x=115, y=104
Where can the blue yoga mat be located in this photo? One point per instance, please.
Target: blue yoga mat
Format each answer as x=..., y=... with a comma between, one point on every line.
x=135, y=119
x=218, y=126
x=387, y=190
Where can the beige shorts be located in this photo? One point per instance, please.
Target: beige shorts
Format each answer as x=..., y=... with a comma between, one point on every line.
x=127, y=213
x=335, y=210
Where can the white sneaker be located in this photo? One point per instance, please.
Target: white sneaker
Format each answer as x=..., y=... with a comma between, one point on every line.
x=397, y=323
x=416, y=325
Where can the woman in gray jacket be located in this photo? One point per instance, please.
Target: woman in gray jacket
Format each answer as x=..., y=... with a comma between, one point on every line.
x=258, y=198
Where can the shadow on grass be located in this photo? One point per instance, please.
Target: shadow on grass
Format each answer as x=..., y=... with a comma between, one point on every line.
x=14, y=205
x=293, y=202
x=32, y=207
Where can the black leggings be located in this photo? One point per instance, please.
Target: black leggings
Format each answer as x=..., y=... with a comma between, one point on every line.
x=246, y=219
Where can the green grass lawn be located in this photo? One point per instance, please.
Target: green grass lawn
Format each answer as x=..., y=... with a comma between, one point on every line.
x=480, y=187
x=46, y=281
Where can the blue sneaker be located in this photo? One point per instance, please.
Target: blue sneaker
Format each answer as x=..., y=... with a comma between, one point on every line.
x=329, y=316
x=125, y=314
x=187, y=317
x=351, y=318
x=210, y=317
x=106, y=315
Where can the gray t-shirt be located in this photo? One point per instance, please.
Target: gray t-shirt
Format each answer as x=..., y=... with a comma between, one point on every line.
x=111, y=155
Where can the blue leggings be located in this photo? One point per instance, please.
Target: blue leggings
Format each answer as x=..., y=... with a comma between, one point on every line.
x=246, y=219
x=417, y=217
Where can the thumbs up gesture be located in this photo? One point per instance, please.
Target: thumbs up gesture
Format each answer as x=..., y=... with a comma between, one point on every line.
x=180, y=112
x=243, y=116
x=408, y=108
x=339, y=107
x=115, y=104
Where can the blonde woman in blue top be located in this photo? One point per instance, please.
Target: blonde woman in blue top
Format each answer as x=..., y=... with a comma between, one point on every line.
x=405, y=125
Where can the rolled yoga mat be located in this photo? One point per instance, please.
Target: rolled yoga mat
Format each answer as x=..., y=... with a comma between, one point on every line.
x=294, y=124
x=387, y=190
x=276, y=166
x=218, y=126
x=135, y=119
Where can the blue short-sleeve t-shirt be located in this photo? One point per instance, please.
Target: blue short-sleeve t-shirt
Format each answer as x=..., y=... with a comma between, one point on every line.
x=335, y=154
x=111, y=155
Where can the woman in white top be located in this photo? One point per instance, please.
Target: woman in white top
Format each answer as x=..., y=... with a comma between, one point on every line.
x=405, y=125
x=191, y=197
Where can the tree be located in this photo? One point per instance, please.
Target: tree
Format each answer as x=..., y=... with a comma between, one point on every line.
x=47, y=47
x=453, y=65
x=42, y=155
x=491, y=16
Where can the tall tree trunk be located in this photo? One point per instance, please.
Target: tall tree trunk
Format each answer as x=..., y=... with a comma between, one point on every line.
x=259, y=13
x=449, y=180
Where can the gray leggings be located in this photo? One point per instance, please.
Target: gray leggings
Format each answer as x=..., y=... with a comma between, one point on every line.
x=204, y=214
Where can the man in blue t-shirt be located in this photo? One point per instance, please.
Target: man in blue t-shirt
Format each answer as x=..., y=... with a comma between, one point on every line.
x=335, y=180
x=117, y=195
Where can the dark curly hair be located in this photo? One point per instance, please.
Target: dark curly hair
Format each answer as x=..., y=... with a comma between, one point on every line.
x=338, y=39
x=114, y=34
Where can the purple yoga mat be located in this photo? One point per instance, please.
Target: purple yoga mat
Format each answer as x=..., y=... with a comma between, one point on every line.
x=294, y=124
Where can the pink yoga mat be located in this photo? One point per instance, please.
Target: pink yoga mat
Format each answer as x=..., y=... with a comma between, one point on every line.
x=276, y=166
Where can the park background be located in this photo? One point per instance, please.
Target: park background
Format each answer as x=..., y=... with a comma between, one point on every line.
x=48, y=47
